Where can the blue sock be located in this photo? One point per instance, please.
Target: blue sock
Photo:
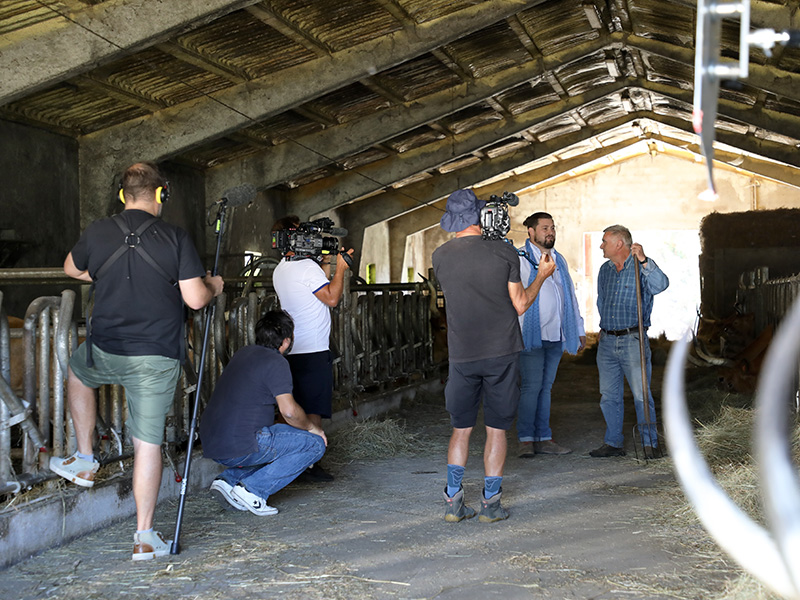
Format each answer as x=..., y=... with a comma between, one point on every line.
x=89, y=457
x=455, y=473
x=491, y=486
x=144, y=530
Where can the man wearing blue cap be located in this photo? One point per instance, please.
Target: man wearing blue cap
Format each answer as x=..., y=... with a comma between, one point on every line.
x=484, y=296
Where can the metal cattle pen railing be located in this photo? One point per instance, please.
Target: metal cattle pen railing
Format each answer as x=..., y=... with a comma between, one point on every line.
x=768, y=299
x=769, y=551
x=381, y=338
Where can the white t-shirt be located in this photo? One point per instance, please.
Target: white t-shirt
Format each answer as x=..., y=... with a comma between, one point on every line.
x=295, y=282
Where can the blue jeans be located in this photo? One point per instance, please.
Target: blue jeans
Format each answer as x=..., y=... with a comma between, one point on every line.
x=618, y=358
x=538, y=368
x=283, y=453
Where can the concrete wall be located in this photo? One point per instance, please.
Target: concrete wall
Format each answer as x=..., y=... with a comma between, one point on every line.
x=38, y=203
x=249, y=228
x=376, y=248
x=645, y=194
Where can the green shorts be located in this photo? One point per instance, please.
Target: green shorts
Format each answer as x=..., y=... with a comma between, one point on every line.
x=149, y=383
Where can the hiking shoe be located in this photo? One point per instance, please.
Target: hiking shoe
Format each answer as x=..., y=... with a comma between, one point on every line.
x=223, y=495
x=255, y=504
x=492, y=510
x=316, y=473
x=526, y=450
x=549, y=447
x=75, y=469
x=149, y=545
x=606, y=450
x=456, y=510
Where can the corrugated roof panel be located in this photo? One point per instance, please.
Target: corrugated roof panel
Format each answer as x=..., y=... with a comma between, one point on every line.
x=415, y=138
x=362, y=158
x=241, y=42
x=790, y=60
x=157, y=76
x=471, y=118
x=558, y=25
x=585, y=74
x=427, y=10
x=221, y=151
x=283, y=127
x=663, y=20
x=461, y=163
x=307, y=178
x=489, y=50
x=603, y=110
x=348, y=103
x=776, y=137
x=337, y=25
x=528, y=96
x=18, y=14
x=737, y=91
x=506, y=147
x=664, y=70
x=780, y=104
x=417, y=78
x=556, y=127
x=74, y=109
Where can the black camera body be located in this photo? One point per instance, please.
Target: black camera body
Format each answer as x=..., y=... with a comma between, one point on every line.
x=495, y=222
x=307, y=240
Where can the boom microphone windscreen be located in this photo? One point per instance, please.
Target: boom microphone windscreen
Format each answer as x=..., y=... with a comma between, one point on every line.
x=338, y=231
x=239, y=195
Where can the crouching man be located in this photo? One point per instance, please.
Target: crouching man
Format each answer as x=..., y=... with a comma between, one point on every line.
x=238, y=428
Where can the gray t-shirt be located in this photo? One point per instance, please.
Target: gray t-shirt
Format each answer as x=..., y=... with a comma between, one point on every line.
x=481, y=320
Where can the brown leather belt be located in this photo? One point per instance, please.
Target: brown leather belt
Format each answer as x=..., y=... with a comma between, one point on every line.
x=621, y=331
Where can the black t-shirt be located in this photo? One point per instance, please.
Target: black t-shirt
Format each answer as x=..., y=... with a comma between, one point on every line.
x=244, y=402
x=481, y=319
x=137, y=312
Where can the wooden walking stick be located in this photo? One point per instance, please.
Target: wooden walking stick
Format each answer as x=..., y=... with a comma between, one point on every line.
x=652, y=430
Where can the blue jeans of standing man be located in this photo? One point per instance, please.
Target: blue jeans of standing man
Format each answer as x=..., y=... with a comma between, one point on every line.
x=538, y=368
x=618, y=358
x=283, y=453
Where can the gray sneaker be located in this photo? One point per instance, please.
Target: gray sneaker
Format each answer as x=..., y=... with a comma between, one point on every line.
x=491, y=510
x=456, y=510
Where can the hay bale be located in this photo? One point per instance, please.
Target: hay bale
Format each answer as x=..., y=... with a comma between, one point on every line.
x=372, y=438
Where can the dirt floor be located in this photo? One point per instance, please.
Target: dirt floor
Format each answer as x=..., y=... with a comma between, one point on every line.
x=580, y=527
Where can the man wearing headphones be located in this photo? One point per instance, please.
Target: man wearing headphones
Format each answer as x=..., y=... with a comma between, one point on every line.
x=142, y=271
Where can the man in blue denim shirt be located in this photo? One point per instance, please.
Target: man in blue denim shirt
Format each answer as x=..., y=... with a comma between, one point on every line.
x=618, y=356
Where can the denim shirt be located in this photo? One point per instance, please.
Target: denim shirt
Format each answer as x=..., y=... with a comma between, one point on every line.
x=616, y=293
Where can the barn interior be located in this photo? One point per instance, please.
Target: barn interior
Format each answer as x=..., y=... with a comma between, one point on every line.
x=371, y=112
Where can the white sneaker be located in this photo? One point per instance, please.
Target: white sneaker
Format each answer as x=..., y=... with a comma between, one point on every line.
x=224, y=493
x=149, y=545
x=77, y=470
x=255, y=504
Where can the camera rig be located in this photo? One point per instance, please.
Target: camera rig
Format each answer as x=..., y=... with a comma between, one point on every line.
x=307, y=239
x=495, y=222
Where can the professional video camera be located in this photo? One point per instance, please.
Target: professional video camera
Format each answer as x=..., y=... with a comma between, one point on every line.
x=307, y=240
x=495, y=222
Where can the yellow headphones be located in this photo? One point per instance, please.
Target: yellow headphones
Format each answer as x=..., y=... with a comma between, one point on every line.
x=162, y=193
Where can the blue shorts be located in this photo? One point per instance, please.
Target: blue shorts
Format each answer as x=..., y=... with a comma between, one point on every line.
x=312, y=381
x=495, y=380
x=149, y=383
